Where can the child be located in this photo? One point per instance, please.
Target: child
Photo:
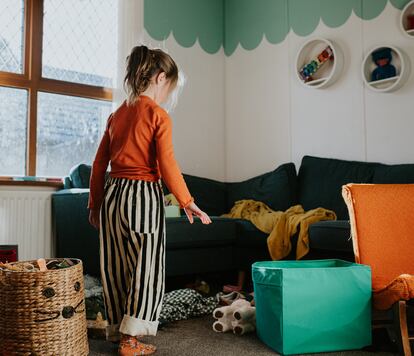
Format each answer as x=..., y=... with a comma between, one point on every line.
x=129, y=208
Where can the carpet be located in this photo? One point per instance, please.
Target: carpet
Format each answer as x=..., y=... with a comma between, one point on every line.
x=195, y=337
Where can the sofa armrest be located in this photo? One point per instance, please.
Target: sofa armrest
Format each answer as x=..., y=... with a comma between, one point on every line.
x=333, y=235
x=74, y=236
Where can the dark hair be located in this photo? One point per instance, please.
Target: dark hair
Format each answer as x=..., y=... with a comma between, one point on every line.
x=142, y=64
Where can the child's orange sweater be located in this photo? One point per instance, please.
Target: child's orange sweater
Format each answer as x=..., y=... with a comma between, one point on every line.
x=138, y=143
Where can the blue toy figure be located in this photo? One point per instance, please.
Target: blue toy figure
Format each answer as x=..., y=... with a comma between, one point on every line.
x=382, y=58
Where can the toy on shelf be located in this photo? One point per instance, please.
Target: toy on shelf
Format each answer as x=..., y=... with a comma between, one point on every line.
x=382, y=58
x=410, y=22
x=240, y=316
x=311, y=68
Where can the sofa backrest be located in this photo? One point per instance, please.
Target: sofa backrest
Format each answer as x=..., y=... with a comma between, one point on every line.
x=321, y=180
x=394, y=174
x=318, y=184
x=209, y=194
x=277, y=188
x=79, y=175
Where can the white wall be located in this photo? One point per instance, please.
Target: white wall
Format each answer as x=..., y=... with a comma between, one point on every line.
x=198, y=119
x=257, y=110
x=389, y=117
x=271, y=118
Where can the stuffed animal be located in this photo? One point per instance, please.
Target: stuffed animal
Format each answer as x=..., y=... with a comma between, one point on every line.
x=239, y=316
x=382, y=58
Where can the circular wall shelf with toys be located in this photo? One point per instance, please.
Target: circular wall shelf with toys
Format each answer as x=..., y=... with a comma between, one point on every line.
x=407, y=19
x=385, y=69
x=319, y=63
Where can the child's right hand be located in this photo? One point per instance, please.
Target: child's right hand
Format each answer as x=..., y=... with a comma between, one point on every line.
x=94, y=218
x=191, y=209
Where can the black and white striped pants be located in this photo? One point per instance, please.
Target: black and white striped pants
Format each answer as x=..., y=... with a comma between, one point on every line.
x=132, y=255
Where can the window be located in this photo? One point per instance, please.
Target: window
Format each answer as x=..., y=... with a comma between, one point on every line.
x=57, y=70
x=79, y=41
x=11, y=35
x=68, y=131
x=13, y=112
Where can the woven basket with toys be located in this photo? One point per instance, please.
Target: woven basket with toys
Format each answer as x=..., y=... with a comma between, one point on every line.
x=42, y=308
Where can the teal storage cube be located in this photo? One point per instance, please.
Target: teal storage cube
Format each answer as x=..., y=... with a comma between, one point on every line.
x=312, y=306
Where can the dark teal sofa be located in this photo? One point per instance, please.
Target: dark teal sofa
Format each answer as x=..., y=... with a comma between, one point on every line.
x=231, y=244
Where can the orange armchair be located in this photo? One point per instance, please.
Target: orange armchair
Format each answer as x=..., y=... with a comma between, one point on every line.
x=382, y=227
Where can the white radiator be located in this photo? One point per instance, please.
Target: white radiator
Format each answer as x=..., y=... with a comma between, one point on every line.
x=26, y=220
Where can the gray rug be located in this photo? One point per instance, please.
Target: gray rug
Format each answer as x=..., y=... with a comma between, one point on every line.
x=196, y=337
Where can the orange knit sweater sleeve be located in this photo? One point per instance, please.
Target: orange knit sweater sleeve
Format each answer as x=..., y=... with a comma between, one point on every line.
x=169, y=168
x=99, y=166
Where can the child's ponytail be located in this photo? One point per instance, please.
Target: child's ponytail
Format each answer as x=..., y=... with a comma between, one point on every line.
x=142, y=64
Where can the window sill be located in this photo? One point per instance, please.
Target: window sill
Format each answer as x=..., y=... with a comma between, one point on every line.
x=33, y=183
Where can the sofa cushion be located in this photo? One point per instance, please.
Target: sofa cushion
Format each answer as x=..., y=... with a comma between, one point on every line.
x=209, y=194
x=330, y=235
x=249, y=235
x=394, y=174
x=67, y=183
x=321, y=181
x=182, y=234
x=251, y=245
x=79, y=175
x=277, y=189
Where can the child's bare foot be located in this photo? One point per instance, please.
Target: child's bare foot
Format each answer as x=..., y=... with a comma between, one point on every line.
x=131, y=346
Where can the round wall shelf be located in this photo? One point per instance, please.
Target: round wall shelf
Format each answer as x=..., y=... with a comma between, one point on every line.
x=319, y=63
x=387, y=79
x=407, y=19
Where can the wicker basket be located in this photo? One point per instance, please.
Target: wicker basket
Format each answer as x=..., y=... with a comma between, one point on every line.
x=43, y=313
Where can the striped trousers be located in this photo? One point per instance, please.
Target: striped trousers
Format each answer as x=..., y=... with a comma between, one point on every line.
x=132, y=255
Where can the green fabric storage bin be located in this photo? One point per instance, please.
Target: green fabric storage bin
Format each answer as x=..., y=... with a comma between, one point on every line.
x=312, y=306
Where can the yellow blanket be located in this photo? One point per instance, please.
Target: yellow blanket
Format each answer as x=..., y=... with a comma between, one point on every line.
x=280, y=226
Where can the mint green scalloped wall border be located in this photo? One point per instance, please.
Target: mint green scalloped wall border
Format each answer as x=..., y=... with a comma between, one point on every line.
x=216, y=23
x=187, y=20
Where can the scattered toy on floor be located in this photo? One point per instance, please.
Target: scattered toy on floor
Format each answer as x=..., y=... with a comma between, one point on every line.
x=185, y=303
x=239, y=316
x=227, y=299
x=199, y=286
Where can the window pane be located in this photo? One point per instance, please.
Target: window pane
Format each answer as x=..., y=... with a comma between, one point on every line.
x=80, y=41
x=68, y=132
x=11, y=35
x=13, y=119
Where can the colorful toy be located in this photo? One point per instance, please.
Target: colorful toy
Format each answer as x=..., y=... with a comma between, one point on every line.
x=312, y=67
x=240, y=317
x=382, y=58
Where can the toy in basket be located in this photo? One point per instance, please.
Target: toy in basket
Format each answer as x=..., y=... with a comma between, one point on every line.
x=42, y=309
